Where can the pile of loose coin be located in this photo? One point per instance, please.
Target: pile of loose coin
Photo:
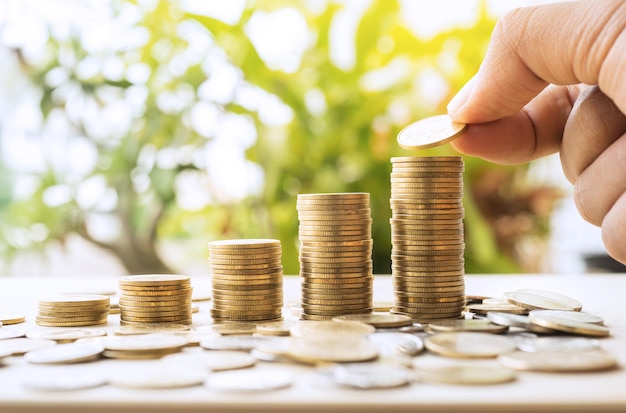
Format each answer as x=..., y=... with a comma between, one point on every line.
x=427, y=237
x=335, y=254
x=158, y=298
x=73, y=311
x=247, y=280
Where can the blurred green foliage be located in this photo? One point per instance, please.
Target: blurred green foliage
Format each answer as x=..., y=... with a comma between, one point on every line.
x=344, y=147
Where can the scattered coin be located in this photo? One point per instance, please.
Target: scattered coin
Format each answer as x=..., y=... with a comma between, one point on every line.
x=574, y=304
x=469, y=344
x=465, y=374
x=227, y=329
x=275, y=328
x=570, y=315
x=19, y=346
x=159, y=376
x=150, y=328
x=65, y=335
x=501, y=308
x=537, y=302
x=378, y=320
x=249, y=381
x=333, y=349
x=484, y=326
x=371, y=376
x=212, y=360
x=516, y=320
x=12, y=318
x=63, y=382
x=231, y=342
x=430, y=132
x=392, y=344
x=146, y=346
x=65, y=353
x=317, y=329
x=6, y=333
x=556, y=344
x=569, y=326
x=559, y=361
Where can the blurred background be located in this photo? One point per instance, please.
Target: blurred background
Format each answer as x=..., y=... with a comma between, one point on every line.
x=134, y=132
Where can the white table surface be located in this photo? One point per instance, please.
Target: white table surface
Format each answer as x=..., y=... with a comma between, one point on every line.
x=531, y=392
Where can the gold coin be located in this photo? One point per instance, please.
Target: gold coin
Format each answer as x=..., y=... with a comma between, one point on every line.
x=154, y=279
x=271, y=251
x=163, y=293
x=484, y=326
x=568, y=301
x=502, y=308
x=332, y=350
x=569, y=326
x=411, y=159
x=269, y=277
x=331, y=329
x=322, y=256
x=464, y=374
x=330, y=209
x=378, y=320
x=335, y=195
x=431, y=179
x=242, y=286
x=45, y=323
x=234, y=328
x=329, y=218
x=469, y=344
x=403, y=174
x=245, y=244
x=534, y=302
x=559, y=361
x=74, y=300
x=150, y=328
x=340, y=310
x=578, y=316
x=334, y=295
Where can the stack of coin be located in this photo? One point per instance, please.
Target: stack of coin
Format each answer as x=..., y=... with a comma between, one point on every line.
x=335, y=254
x=73, y=311
x=157, y=298
x=427, y=237
x=247, y=280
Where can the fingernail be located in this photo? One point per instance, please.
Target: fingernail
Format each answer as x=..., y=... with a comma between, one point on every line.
x=461, y=97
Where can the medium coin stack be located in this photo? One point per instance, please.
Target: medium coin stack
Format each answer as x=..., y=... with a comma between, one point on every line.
x=427, y=237
x=335, y=254
x=157, y=298
x=247, y=280
x=73, y=311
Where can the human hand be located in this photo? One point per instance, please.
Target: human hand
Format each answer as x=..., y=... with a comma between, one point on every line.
x=531, y=98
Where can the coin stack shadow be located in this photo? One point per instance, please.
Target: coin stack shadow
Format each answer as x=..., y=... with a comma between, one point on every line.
x=427, y=237
x=158, y=298
x=73, y=311
x=247, y=280
x=335, y=254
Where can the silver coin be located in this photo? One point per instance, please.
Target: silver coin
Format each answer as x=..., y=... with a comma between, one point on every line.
x=465, y=374
x=392, y=344
x=65, y=353
x=233, y=342
x=371, y=376
x=469, y=344
x=574, y=304
x=538, y=302
x=558, y=361
x=19, y=346
x=556, y=344
x=249, y=381
x=7, y=333
x=570, y=326
x=63, y=382
x=516, y=320
x=212, y=360
x=159, y=376
x=66, y=334
x=578, y=316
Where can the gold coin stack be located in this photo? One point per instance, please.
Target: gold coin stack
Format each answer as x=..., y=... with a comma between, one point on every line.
x=335, y=254
x=73, y=311
x=155, y=298
x=427, y=237
x=247, y=280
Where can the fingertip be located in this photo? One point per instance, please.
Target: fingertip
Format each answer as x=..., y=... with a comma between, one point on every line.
x=458, y=102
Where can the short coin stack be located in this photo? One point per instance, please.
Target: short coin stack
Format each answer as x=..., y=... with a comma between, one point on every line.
x=427, y=237
x=247, y=280
x=155, y=298
x=335, y=254
x=73, y=311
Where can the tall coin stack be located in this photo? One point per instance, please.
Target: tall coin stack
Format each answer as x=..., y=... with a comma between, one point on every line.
x=427, y=237
x=247, y=280
x=158, y=298
x=335, y=254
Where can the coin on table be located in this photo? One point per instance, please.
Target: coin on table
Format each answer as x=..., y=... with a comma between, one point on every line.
x=330, y=328
x=516, y=320
x=465, y=374
x=66, y=335
x=537, y=302
x=334, y=349
x=275, y=328
x=211, y=360
x=159, y=376
x=579, y=316
x=249, y=381
x=371, y=375
x=12, y=318
x=569, y=326
x=23, y=345
x=63, y=382
x=65, y=353
x=378, y=320
x=484, y=326
x=6, y=333
x=469, y=345
x=429, y=132
x=557, y=361
x=556, y=344
x=233, y=328
x=393, y=344
x=242, y=342
x=149, y=328
x=569, y=301
x=502, y=308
